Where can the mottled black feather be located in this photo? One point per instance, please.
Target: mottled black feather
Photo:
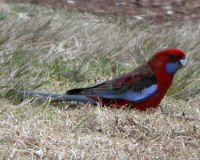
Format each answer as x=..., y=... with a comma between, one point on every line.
x=142, y=77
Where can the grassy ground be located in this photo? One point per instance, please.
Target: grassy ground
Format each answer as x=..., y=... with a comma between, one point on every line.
x=52, y=51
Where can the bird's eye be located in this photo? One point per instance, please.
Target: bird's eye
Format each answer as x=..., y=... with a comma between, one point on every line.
x=173, y=57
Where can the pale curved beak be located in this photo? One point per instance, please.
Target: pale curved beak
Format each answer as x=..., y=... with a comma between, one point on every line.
x=183, y=61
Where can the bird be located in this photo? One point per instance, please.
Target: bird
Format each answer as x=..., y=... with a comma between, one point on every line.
x=142, y=89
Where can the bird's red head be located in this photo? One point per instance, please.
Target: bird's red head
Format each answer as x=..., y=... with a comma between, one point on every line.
x=169, y=60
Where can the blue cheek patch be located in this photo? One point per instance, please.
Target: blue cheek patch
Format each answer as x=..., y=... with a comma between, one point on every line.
x=172, y=67
x=131, y=95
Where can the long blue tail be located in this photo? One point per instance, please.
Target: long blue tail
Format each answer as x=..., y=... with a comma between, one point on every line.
x=57, y=97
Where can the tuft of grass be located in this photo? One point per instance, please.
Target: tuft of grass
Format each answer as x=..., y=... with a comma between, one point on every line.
x=47, y=50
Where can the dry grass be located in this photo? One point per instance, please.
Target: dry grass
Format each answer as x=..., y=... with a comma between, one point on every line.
x=52, y=51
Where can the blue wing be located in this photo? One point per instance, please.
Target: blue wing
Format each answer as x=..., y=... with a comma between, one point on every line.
x=133, y=96
x=136, y=86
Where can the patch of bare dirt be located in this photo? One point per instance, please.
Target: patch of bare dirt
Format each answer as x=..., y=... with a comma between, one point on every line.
x=158, y=11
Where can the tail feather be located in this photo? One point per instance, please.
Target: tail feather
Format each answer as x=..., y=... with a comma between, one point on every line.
x=58, y=97
x=84, y=91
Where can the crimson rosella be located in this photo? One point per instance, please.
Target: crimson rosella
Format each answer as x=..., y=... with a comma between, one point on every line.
x=142, y=88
